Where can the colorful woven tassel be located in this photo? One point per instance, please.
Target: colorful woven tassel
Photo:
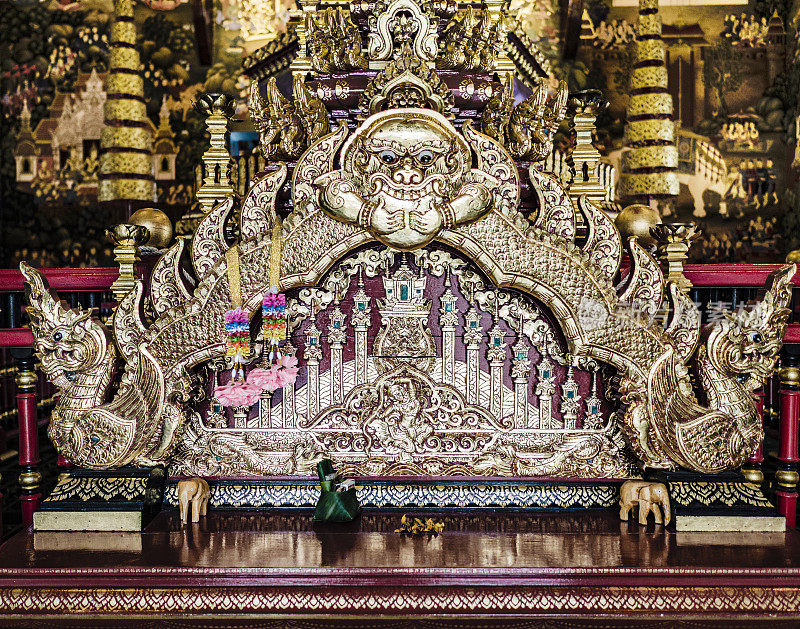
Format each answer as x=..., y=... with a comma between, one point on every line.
x=237, y=329
x=273, y=321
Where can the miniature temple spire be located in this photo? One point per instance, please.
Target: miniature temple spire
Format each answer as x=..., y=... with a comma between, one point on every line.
x=217, y=109
x=362, y=321
x=337, y=337
x=649, y=164
x=448, y=321
x=312, y=355
x=593, y=420
x=473, y=335
x=584, y=108
x=545, y=388
x=520, y=372
x=496, y=355
x=570, y=400
x=126, y=143
x=288, y=406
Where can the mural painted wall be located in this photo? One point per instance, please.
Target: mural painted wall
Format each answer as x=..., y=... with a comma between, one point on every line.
x=733, y=74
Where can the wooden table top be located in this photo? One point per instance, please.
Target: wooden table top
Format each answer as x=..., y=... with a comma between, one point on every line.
x=483, y=564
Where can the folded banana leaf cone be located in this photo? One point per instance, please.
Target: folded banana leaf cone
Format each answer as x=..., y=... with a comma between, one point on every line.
x=338, y=501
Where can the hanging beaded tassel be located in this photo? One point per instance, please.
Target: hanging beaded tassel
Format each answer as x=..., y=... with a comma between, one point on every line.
x=273, y=308
x=278, y=371
x=273, y=316
x=237, y=329
x=237, y=341
x=237, y=325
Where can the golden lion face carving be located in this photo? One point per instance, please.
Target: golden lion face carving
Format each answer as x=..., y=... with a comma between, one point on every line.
x=405, y=175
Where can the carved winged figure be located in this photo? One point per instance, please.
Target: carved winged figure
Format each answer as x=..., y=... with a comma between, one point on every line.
x=470, y=42
x=334, y=42
x=534, y=122
x=287, y=128
x=526, y=130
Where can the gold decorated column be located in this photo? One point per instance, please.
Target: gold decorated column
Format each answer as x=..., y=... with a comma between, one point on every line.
x=649, y=164
x=673, y=241
x=126, y=143
x=217, y=109
x=127, y=239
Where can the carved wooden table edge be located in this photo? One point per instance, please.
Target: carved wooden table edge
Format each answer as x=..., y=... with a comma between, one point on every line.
x=370, y=601
x=404, y=592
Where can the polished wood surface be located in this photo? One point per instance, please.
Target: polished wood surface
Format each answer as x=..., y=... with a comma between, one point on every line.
x=504, y=566
x=556, y=548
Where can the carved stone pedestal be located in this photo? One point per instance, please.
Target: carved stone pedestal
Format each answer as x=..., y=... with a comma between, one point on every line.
x=722, y=502
x=125, y=499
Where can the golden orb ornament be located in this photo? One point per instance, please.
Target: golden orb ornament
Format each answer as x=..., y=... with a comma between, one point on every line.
x=636, y=220
x=793, y=257
x=157, y=223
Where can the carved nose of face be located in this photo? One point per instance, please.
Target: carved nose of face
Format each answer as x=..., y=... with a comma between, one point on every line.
x=406, y=173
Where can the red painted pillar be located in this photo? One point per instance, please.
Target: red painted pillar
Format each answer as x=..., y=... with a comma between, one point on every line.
x=786, y=477
x=752, y=469
x=29, y=478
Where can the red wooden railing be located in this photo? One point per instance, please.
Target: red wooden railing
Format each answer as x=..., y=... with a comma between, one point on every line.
x=19, y=340
x=781, y=396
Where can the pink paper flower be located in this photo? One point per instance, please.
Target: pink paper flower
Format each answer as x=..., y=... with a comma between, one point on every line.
x=287, y=372
x=265, y=378
x=238, y=394
x=287, y=361
x=279, y=375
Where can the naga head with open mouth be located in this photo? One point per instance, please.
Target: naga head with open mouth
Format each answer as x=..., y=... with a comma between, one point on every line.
x=405, y=175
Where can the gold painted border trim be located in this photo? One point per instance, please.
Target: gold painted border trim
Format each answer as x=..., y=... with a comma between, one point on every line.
x=540, y=601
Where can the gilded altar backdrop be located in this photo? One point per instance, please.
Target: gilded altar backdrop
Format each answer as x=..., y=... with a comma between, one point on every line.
x=448, y=316
x=420, y=284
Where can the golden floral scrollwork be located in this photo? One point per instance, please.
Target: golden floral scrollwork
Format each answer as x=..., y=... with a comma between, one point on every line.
x=683, y=324
x=718, y=492
x=287, y=128
x=406, y=82
x=603, y=243
x=166, y=284
x=396, y=22
x=82, y=489
x=209, y=243
x=258, y=209
x=644, y=287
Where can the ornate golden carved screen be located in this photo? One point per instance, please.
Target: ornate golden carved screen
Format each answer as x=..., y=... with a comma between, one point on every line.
x=414, y=364
x=404, y=225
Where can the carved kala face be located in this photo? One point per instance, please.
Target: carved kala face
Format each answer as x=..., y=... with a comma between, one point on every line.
x=405, y=158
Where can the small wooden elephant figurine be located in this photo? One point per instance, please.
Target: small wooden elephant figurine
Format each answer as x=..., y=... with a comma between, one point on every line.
x=648, y=496
x=196, y=492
